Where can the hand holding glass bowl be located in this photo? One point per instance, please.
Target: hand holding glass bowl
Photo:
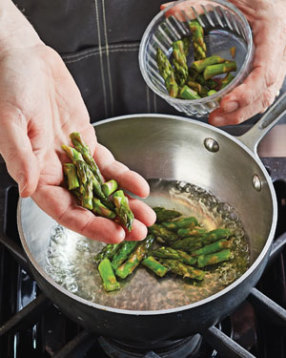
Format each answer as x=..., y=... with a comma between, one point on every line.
x=225, y=27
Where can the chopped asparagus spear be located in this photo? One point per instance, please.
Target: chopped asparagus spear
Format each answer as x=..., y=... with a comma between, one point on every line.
x=169, y=253
x=167, y=72
x=180, y=62
x=188, y=244
x=210, y=83
x=213, y=70
x=185, y=222
x=122, y=254
x=89, y=189
x=178, y=52
x=123, y=210
x=187, y=44
x=73, y=154
x=194, y=75
x=135, y=258
x=84, y=150
x=164, y=65
x=108, y=251
x=106, y=272
x=181, y=269
x=188, y=93
x=200, y=65
x=78, y=161
x=211, y=92
x=186, y=259
x=215, y=235
x=87, y=196
x=165, y=214
x=192, y=243
x=84, y=172
x=76, y=192
x=214, y=247
x=100, y=209
x=151, y=263
x=163, y=233
x=172, y=86
x=198, y=39
x=192, y=231
x=215, y=258
x=200, y=89
x=71, y=175
x=226, y=80
x=109, y=187
x=97, y=187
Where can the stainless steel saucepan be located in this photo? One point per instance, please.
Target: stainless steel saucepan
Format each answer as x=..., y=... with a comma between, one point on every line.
x=161, y=147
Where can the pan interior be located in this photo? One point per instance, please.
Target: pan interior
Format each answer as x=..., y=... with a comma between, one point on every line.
x=173, y=148
x=70, y=257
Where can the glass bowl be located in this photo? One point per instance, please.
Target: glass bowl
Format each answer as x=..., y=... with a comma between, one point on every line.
x=225, y=27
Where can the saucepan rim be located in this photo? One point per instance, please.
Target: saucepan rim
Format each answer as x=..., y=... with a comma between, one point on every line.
x=202, y=302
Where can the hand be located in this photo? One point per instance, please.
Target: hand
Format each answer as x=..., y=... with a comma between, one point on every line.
x=268, y=22
x=40, y=105
x=258, y=91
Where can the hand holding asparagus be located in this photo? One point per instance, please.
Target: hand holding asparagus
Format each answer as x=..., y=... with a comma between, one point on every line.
x=85, y=180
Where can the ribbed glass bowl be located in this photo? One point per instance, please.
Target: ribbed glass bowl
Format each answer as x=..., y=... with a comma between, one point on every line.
x=224, y=27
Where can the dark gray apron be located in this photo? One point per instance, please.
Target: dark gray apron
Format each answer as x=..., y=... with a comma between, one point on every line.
x=99, y=41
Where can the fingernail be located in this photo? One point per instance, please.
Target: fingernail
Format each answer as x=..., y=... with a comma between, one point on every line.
x=230, y=106
x=218, y=121
x=122, y=235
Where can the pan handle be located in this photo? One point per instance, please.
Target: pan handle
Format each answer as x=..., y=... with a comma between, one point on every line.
x=273, y=115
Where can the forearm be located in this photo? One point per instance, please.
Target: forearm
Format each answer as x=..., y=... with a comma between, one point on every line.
x=15, y=29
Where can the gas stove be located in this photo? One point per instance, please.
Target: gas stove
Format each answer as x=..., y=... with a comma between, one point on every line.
x=32, y=326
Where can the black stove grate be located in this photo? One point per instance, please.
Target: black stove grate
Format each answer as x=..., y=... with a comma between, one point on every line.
x=31, y=326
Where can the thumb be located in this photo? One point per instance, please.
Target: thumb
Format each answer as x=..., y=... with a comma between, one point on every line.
x=166, y=4
x=17, y=151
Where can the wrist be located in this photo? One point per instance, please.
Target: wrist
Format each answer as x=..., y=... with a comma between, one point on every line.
x=15, y=29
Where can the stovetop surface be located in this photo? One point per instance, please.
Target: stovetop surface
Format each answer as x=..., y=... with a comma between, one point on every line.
x=31, y=326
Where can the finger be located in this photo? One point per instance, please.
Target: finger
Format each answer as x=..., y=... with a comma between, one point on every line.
x=265, y=72
x=246, y=93
x=182, y=11
x=61, y=206
x=139, y=231
x=253, y=89
x=126, y=178
x=142, y=212
x=16, y=149
x=219, y=118
x=87, y=134
x=166, y=4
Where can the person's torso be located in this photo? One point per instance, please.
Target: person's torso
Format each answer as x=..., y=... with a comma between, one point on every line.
x=99, y=42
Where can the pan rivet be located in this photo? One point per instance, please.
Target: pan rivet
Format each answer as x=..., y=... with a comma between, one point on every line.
x=256, y=182
x=211, y=145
